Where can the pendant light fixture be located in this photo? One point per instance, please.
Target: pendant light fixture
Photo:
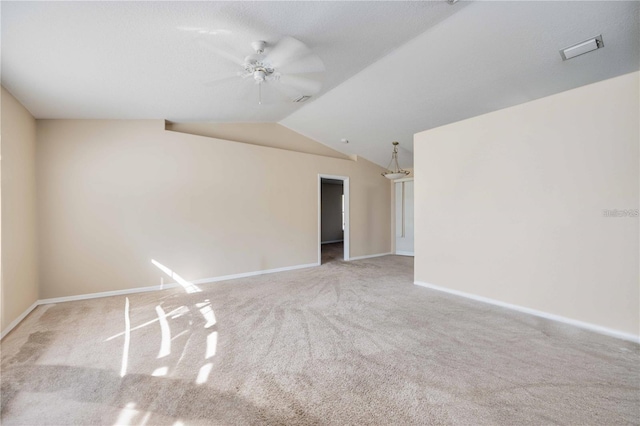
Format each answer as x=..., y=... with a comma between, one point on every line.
x=396, y=172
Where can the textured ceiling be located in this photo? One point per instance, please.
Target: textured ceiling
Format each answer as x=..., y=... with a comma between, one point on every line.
x=487, y=56
x=393, y=68
x=142, y=59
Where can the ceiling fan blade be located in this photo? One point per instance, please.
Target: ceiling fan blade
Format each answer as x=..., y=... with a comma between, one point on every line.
x=305, y=85
x=286, y=51
x=254, y=95
x=270, y=94
x=310, y=63
x=230, y=75
x=220, y=52
x=247, y=94
x=289, y=93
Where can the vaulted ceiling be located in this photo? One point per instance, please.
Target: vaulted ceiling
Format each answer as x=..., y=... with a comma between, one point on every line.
x=392, y=68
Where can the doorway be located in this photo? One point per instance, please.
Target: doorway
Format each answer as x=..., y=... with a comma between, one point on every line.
x=333, y=218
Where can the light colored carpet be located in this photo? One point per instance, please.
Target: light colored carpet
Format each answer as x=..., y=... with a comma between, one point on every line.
x=344, y=343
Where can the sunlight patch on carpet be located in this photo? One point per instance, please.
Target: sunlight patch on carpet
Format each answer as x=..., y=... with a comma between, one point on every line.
x=165, y=344
x=188, y=287
x=203, y=374
x=127, y=338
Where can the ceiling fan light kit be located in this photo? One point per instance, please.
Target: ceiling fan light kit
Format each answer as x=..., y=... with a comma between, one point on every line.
x=396, y=172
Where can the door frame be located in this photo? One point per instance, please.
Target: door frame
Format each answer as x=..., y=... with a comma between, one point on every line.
x=346, y=233
x=393, y=216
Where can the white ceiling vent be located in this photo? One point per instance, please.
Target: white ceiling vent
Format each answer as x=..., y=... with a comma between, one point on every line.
x=582, y=48
x=302, y=98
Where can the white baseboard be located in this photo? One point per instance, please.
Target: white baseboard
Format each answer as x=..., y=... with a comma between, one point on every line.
x=404, y=253
x=368, y=256
x=252, y=274
x=331, y=241
x=581, y=324
x=170, y=285
x=19, y=319
x=106, y=294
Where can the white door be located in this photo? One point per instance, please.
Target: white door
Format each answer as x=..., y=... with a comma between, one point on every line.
x=404, y=217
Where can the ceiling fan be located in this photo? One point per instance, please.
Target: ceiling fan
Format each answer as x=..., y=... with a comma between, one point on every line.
x=288, y=68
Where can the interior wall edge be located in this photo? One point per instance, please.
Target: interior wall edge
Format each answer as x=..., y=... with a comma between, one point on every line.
x=13, y=324
x=267, y=135
x=19, y=280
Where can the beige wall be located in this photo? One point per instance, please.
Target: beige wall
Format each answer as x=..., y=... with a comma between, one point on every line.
x=509, y=205
x=116, y=194
x=19, y=242
x=264, y=134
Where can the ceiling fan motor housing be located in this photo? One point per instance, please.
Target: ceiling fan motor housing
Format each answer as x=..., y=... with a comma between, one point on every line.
x=259, y=46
